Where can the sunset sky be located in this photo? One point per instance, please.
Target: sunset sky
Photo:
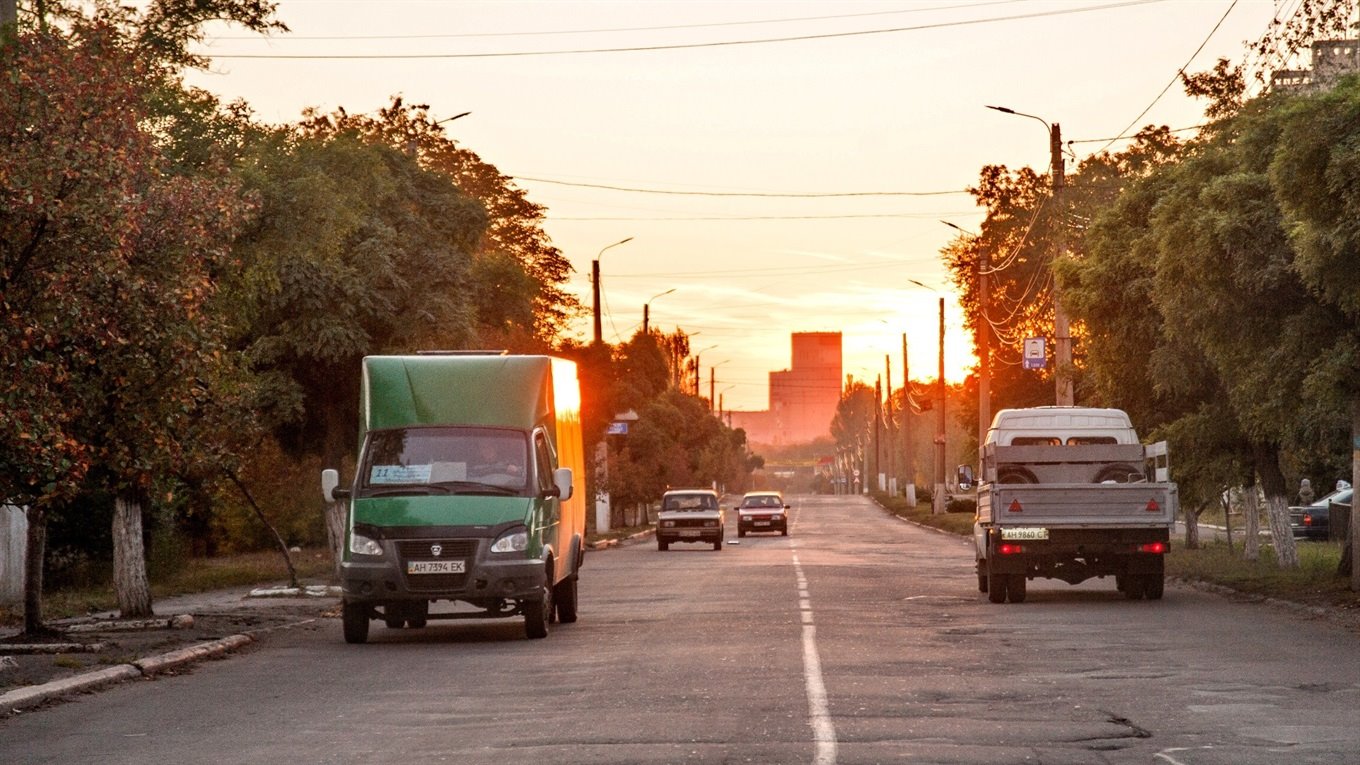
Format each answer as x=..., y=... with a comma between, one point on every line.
x=808, y=151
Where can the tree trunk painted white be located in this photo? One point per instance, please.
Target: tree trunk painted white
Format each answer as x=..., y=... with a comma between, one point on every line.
x=335, y=532
x=1251, y=524
x=36, y=550
x=1281, y=535
x=1353, y=542
x=129, y=560
x=1192, y=528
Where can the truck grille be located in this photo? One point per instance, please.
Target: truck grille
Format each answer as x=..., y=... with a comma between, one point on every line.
x=450, y=549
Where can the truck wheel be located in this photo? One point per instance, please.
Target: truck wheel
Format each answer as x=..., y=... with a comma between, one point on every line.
x=982, y=575
x=418, y=614
x=996, y=587
x=1118, y=473
x=1015, y=588
x=394, y=616
x=1120, y=582
x=354, y=617
x=537, y=614
x=717, y=545
x=564, y=595
x=784, y=531
x=741, y=533
x=662, y=545
x=1134, y=586
x=1153, y=585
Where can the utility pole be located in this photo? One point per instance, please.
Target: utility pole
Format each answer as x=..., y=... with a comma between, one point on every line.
x=878, y=415
x=595, y=298
x=908, y=447
x=888, y=418
x=1062, y=335
x=937, y=497
x=711, y=399
x=984, y=353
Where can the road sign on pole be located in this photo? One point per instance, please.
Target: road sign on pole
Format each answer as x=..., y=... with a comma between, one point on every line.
x=1034, y=353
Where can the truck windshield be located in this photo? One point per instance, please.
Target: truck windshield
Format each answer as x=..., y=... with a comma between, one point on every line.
x=445, y=460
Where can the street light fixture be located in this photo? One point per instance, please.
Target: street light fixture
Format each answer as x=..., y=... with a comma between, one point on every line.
x=1062, y=336
x=595, y=286
x=646, y=309
x=697, y=370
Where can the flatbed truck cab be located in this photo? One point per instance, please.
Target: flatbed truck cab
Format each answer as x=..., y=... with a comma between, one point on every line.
x=463, y=492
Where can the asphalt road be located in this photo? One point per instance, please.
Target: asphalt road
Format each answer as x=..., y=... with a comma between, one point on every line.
x=856, y=639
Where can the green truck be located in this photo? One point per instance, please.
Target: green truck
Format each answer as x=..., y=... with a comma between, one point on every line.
x=464, y=492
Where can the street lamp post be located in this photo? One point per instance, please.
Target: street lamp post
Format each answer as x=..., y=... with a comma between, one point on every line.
x=698, y=371
x=647, y=308
x=595, y=287
x=1062, y=336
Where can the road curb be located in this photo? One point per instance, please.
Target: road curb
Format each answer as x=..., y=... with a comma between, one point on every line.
x=605, y=544
x=27, y=697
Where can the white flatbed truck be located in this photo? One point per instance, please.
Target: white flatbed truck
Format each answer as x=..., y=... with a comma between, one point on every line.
x=1070, y=493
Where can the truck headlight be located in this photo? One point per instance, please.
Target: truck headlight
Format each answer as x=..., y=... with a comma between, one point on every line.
x=362, y=545
x=516, y=540
x=667, y=524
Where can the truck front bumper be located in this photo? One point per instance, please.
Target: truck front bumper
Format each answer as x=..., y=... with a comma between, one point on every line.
x=378, y=581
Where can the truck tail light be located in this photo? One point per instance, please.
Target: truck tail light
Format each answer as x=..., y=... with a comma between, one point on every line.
x=1153, y=507
x=1307, y=520
x=1156, y=548
x=1015, y=506
x=1008, y=548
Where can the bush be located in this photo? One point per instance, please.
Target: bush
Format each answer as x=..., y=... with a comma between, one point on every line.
x=960, y=505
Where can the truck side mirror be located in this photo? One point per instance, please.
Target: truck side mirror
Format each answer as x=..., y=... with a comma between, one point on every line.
x=965, y=477
x=562, y=480
x=330, y=479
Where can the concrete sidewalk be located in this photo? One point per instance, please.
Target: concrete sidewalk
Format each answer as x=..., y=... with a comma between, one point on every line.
x=276, y=608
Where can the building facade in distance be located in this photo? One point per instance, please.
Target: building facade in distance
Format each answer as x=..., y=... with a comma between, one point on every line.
x=803, y=397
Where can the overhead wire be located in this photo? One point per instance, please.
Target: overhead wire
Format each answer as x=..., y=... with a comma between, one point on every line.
x=1176, y=78
x=684, y=46
x=608, y=30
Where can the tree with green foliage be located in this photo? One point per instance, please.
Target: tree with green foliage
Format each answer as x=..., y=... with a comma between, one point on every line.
x=107, y=263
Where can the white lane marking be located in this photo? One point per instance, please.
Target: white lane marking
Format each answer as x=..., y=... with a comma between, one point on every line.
x=819, y=714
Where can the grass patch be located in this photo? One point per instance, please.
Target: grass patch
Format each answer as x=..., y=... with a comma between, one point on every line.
x=195, y=575
x=955, y=523
x=1315, y=581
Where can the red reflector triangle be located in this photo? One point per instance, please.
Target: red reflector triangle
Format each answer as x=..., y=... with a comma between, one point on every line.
x=1015, y=506
x=1152, y=506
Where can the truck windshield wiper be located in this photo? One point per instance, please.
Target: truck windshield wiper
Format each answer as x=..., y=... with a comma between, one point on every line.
x=477, y=487
x=416, y=490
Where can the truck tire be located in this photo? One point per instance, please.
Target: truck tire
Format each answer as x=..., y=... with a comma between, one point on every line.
x=662, y=545
x=1015, y=588
x=741, y=533
x=394, y=616
x=717, y=545
x=418, y=614
x=1117, y=473
x=996, y=587
x=1154, y=585
x=537, y=614
x=354, y=617
x=564, y=596
x=1134, y=586
x=982, y=575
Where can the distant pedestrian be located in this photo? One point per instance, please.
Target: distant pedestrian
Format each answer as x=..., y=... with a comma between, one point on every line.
x=1306, y=496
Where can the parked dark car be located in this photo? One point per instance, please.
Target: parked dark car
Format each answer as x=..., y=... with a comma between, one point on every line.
x=1312, y=521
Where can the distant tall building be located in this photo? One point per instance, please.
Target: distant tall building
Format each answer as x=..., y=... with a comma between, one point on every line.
x=803, y=397
x=1332, y=59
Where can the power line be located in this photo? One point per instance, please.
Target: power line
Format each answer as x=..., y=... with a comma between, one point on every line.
x=607, y=30
x=683, y=46
x=755, y=217
x=1176, y=78
x=761, y=194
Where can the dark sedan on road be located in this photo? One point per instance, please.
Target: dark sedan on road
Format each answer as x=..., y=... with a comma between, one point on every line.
x=1311, y=521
